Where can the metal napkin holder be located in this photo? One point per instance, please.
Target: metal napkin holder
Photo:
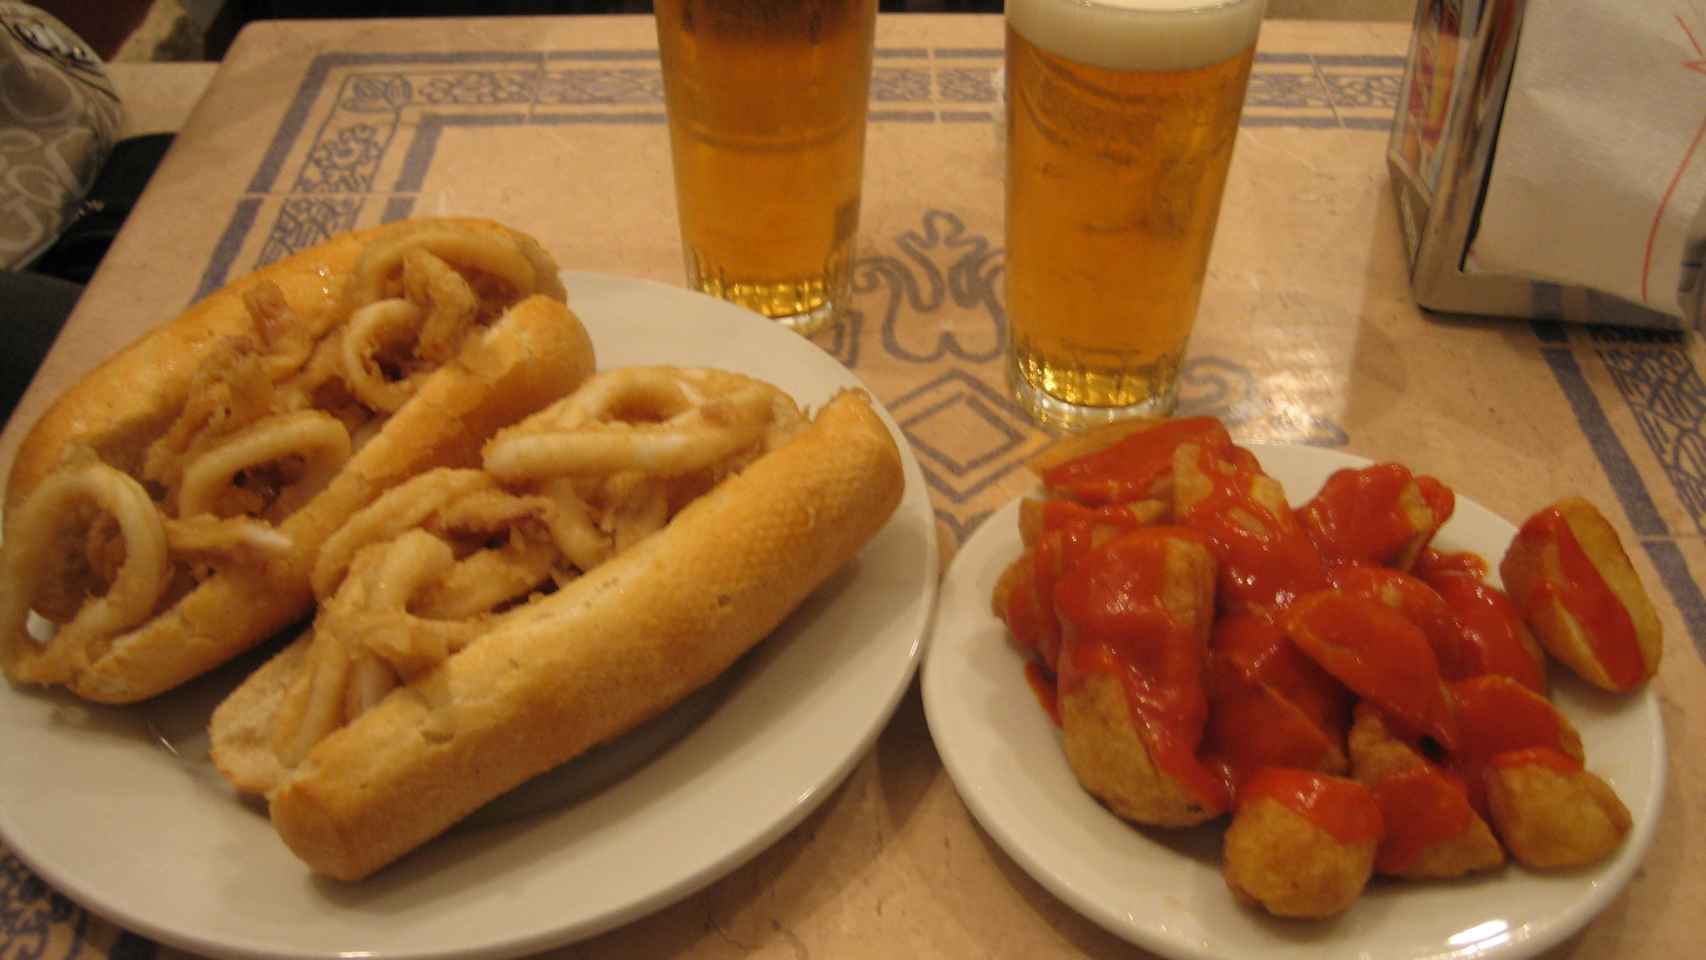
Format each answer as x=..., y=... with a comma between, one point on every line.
x=1440, y=157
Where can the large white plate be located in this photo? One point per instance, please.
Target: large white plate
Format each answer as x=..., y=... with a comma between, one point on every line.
x=1163, y=890
x=96, y=803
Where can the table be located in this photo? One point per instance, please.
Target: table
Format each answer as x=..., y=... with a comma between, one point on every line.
x=1307, y=335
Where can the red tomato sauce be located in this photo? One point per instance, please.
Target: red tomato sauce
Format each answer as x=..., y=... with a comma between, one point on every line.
x=1254, y=649
x=1499, y=715
x=1343, y=808
x=1434, y=563
x=1259, y=570
x=1380, y=656
x=1423, y=808
x=1251, y=727
x=1356, y=516
x=1419, y=603
x=1494, y=638
x=1133, y=468
x=1554, y=760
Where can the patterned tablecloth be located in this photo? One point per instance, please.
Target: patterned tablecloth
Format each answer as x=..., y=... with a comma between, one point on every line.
x=1307, y=335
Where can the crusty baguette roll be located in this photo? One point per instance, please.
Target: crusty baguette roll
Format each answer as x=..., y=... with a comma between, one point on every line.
x=566, y=671
x=267, y=353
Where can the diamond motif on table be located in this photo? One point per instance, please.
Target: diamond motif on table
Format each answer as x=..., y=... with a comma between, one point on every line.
x=966, y=434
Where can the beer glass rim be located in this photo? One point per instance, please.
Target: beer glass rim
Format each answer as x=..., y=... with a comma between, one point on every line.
x=1114, y=35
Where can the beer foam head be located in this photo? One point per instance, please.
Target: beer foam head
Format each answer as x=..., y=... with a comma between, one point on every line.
x=1139, y=34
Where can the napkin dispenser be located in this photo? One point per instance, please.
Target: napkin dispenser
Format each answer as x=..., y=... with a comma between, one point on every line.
x=1441, y=155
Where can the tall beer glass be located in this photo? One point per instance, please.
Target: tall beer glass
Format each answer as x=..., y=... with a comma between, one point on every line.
x=766, y=102
x=1121, y=120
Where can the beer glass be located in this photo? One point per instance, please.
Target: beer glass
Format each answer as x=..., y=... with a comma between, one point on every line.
x=1121, y=120
x=766, y=103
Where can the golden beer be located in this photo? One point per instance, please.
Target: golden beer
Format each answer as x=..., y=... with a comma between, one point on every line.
x=766, y=102
x=1121, y=119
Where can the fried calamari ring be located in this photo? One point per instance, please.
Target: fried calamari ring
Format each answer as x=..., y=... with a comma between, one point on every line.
x=572, y=527
x=378, y=328
x=640, y=508
x=486, y=512
x=693, y=439
x=243, y=540
x=368, y=622
x=667, y=452
x=318, y=383
x=401, y=509
x=460, y=505
x=371, y=609
x=378, y=270
x=288, y=340
x=229, y=390
x=210, y=481
x=367, y=683
x=314, y=705
x=489, y=578
x=35, y=531
x=629, y=394
x=450, y=302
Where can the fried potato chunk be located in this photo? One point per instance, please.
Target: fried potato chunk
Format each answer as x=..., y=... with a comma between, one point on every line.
x=1301, y=844
x=1381, y=656
x=1132, y=706
x=1380, y=514
x=1551, y=812
x=1111, y=757
x=1266, y=559
x=1432, y=832
x=1498, y=715
x=1269, y=705
x=1125, y=460
x=1568, y=574
x=1494, y=638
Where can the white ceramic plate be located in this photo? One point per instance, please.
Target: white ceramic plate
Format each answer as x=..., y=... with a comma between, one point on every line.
x=95, y=800
x=1163, y=890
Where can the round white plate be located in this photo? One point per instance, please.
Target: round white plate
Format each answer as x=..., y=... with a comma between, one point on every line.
x=119, y=809
x=1163, y=890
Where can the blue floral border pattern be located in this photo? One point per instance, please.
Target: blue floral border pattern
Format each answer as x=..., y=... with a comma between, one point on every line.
x=38, y=923
x=381, y=117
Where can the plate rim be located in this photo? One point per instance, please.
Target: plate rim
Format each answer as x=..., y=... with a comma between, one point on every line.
x=914, y=511
x=999, y=528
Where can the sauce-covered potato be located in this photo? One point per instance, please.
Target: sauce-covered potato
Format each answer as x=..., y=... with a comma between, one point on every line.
x=1569, y=576
x=1432, y=831
x=1492, y=637
x=1302, y=844
x=1135, y=624
x=1381, y=515
x=1551, y=812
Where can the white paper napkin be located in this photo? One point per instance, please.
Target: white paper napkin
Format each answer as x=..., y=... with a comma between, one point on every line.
x=1600, y=166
